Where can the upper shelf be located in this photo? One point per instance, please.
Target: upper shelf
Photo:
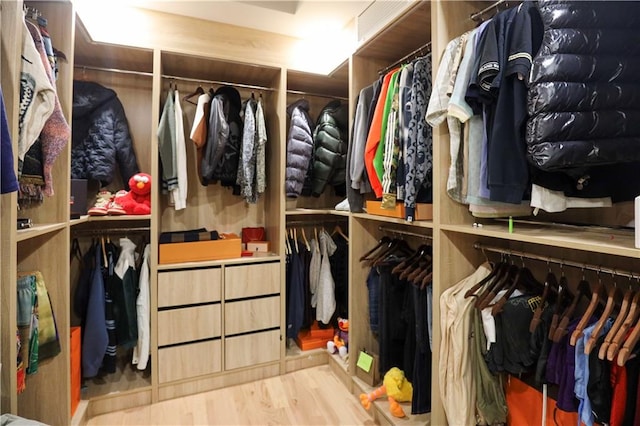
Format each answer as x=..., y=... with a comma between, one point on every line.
x=592, y=239
x=334, y=85
x=407, y=33
x=101, y=55
x=204, y=68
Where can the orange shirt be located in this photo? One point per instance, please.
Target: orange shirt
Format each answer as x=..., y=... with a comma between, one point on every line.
x=373, y=138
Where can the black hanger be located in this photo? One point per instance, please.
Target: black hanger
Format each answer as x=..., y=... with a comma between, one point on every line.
x=381, y=243
x=496, y=271
x=583, y=290
x=199, y=91
x=76, y=252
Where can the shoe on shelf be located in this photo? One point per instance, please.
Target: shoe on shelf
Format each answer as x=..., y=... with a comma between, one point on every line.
x=343, y=205
x=114, y=208
x=102, y=204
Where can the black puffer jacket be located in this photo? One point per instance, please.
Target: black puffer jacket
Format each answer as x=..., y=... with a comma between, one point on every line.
x=101, y=138
x=299, y=147
x=330, y=154
x=584, y=94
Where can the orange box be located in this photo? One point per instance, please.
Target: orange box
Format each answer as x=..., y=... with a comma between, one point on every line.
x=306, y=341
x=76, y=350
x=423, y=211
x=199, y=251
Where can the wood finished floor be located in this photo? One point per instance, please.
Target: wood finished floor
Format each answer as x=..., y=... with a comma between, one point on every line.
x=313, y=396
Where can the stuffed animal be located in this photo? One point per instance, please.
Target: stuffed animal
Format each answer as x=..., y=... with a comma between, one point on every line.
x=138, y=199
x=396, y=387
x=340, y=342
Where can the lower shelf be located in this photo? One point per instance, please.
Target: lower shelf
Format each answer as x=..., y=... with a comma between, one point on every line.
x=126, y=378
x=381, y=406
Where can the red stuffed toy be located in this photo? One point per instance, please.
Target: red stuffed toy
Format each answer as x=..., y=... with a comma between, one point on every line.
x=138, y=199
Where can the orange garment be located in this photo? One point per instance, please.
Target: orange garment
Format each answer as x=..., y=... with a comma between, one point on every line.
x=373, y=138
x=525, y=406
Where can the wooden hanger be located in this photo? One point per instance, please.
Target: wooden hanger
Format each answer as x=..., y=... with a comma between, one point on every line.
x=417, y=264
x=631, y=318
x=397, y=246
x=490, y=291
x=294, y=238
x=524, y=279
x=304, y=239
x=338, y=230
x=564, y=298
x=612, y=294
x=426, y=280
x=593, y=304
x=550, y=285
x=381, y=243
x=629, y=344
x=199, y=91
x=287, y=246
x=408, y=262
x=583, y=290
x=622, y=314
x=498, y=269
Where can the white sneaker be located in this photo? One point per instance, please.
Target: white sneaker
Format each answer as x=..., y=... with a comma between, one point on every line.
x=343, y=205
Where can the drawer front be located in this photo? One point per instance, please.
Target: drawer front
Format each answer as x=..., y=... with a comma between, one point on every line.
x=251, y=315
x=189, y=287
x=185, y=361
x=251, y=349
x=188, y=324
x=251, y=280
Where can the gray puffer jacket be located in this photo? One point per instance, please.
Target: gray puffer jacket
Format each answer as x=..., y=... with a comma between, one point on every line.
x=299, y=147
x=100, y=136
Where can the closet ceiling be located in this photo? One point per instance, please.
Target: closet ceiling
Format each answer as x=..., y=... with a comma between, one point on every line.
x=299, y=18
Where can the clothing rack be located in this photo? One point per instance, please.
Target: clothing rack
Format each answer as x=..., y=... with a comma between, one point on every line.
x=477, y=17
x=222, y=83
x=401, y=232
x=31, y=12
x=102, y=231
x=561, y=262
x=424, y=49
x=318, y=95
x=113, y=70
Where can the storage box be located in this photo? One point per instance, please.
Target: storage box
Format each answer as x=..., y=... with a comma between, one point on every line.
x=372, y=376
x=78, y=200
x=76, y=350
x=262, y=246
x=200, y=251
x=423, y=211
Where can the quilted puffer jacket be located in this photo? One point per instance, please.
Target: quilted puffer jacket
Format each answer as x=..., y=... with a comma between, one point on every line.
x=100, y=135
x=299, y=147
x=584, y=94
x=330, y=154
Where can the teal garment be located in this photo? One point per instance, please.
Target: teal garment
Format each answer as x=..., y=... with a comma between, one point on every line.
x=392, y=93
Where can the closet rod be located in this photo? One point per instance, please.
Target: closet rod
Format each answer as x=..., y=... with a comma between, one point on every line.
x=477, y=17
x=223, y=83
x=315, y=222
x=562, y=262
x=100, y=231
x=405, y=57
x=114, y=70
x=319, y=95
x=409, y=233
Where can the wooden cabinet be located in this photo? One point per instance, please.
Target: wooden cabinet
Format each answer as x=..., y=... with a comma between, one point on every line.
x=250, y=315
x=251, y=280
x=187, y=361
x=189, y=287
x=251, y=349
x=188, y=324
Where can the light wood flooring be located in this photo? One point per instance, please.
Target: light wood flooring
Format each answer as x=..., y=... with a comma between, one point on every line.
x=313, y=396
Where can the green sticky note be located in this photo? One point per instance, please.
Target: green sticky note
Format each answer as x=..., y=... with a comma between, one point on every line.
x=364, y=361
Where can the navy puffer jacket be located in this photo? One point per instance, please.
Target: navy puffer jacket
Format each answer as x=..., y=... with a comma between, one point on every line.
x=299, y=147
x=584, y=94
x=101, y=138
x=330, y=140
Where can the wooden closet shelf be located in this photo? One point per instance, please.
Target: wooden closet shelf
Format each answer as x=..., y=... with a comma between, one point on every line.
x=615, y=242
x=303, y=211
x=269, y=257
x=38, y=230
x=417, y=223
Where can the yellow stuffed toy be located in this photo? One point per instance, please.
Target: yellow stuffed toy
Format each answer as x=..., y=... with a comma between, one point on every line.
x=396, y=387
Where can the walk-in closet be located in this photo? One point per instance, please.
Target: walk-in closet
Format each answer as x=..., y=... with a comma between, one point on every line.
x=381, y=234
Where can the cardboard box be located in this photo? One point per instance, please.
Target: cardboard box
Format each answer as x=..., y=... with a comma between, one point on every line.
x=262, y=246
x=76, y=350
x=372, y=376
x=200, y=251
x=423, y=211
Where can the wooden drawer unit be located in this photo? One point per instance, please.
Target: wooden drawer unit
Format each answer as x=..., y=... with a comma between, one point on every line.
x=185, y=361
x=251, y=280
x=251, y=349
x=188, y=324
x=251, y=315
x=188, y=287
